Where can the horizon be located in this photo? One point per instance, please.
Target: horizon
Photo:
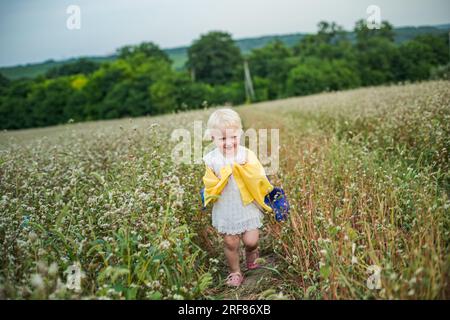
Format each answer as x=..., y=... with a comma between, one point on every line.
x=187, y=45
x=25, y=24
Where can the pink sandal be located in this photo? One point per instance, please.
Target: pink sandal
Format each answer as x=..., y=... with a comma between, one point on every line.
x=235, y=279
x=251, y=265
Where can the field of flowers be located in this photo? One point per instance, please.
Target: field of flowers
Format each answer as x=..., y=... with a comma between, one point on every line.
x=367, y=173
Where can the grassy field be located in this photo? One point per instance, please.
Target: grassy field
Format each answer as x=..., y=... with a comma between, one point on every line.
x=366, y=172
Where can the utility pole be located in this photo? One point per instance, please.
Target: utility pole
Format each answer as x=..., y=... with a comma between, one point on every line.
x=249, y=92
x=193, y=75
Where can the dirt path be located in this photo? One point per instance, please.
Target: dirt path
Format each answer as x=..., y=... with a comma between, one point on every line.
x=266, y=282
x=263, y=283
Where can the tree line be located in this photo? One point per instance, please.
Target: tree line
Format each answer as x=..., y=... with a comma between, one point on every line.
x=141, y=81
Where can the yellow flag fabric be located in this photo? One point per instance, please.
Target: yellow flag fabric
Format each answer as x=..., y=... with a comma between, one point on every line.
x=250, y=178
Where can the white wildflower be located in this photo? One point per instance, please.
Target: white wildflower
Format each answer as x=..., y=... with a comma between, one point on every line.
x=53, y=269
x=37, y=281
x=164, y=245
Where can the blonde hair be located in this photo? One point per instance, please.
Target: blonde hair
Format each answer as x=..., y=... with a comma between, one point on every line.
x=222, y=119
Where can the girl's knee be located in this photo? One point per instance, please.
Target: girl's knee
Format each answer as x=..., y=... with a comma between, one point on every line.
x=231, y=242
x=251, y=241
x=251, y=245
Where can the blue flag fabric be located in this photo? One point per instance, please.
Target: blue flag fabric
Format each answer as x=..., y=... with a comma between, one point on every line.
x=278, y=201
x=202, y=196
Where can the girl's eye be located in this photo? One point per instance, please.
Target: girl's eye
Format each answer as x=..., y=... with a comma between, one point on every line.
x=224, y=138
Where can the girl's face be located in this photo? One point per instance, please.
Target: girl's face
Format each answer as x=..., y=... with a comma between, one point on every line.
x=227, y=140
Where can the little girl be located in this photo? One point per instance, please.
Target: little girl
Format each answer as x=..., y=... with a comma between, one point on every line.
x=231, y=215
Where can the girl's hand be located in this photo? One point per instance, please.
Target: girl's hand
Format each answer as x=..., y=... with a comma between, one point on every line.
x=244, y=161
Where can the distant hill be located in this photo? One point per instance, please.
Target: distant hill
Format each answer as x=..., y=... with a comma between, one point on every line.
x=179, y=54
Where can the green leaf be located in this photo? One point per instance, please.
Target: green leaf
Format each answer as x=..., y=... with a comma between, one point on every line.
x=131, y=293
x=155, y=296
x=325, y=271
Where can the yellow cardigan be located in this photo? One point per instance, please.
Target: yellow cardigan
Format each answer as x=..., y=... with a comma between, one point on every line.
x=250, y=179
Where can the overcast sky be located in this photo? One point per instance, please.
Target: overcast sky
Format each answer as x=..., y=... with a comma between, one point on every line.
x=35, y=30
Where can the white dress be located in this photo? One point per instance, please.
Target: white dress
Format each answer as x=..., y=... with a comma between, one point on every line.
x=229, y=215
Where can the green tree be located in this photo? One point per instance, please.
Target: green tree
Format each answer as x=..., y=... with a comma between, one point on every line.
x=261, y=87
x=146, y=89
x=330, y=32
x=162, y=94
x=376, y=62
x=214, y=58
x=75, y=108
x=440, y=72
x=330, y=42
x=191, y=95
x=80, y=66
x=438, y=44
x=271, y=62
x=231, y=94
x=364, y=34
x=15, y=112
x=4, y=82
x=143, y=50
x=101, y=83
x=414, y=61
x=376, y=53
x=315, y=75
x=48, y=101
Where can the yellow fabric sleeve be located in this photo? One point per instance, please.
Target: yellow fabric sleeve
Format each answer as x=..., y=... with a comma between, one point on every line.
x=250, y=179
x=214, y=185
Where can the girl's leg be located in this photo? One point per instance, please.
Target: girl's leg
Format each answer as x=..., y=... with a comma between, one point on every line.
x=250, y=239
x=232, y=243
